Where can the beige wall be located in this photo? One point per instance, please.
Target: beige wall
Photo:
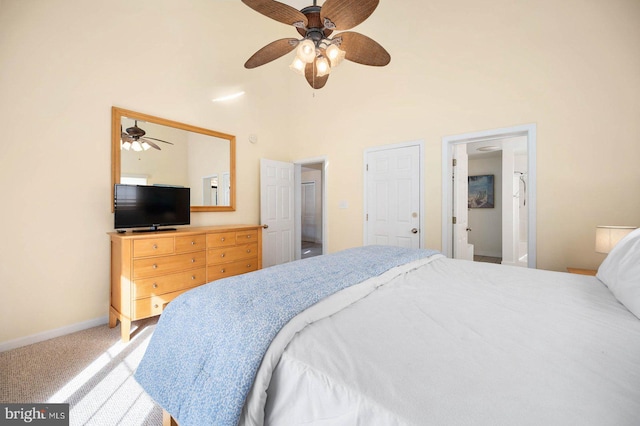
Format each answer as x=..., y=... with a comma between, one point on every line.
x=573, y=68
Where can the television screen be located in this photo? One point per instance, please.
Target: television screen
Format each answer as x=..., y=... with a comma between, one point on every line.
x=138, y=206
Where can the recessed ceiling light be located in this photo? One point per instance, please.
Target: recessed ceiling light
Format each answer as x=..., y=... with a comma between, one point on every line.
x=228, y=97
x=489, y=148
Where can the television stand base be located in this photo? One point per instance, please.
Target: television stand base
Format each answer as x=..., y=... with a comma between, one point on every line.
x=154, y=229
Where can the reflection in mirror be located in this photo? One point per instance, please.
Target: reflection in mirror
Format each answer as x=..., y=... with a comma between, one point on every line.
x=210, y=192
x=153, y=151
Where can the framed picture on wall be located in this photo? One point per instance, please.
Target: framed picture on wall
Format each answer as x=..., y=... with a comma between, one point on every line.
x=481, y=192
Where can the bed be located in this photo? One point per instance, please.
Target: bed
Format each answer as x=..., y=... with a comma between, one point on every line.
x=390, y=336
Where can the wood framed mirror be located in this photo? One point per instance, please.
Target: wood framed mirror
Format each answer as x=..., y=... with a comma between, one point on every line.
x=149, y=150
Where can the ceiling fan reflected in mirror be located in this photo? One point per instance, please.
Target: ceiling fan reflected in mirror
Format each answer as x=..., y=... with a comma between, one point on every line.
x=316, y=52
x=134, y=138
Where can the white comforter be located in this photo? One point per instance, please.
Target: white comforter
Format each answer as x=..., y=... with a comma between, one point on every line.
x=450, y=342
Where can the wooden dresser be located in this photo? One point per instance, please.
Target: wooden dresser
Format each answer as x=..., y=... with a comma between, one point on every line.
x=150, y=269
x=581, y=271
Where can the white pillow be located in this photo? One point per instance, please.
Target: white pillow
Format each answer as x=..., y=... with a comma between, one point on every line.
x=620, y=271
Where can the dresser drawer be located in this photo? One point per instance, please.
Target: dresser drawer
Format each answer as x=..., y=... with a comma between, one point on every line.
x=147, y=287
x=152, y=247
x=218, y=256
x=161, y=265
x=143, y=308
x=191, y=243
x=216, y=272
x=243, y=237
x=221, y=239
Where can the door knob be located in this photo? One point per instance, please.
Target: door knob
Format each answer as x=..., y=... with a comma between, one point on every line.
x=468, y=229
x=414, y=230
x=265, y=226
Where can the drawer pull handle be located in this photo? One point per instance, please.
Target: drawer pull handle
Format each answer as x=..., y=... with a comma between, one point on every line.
x=222, y=239
x=222, y=270
x=154, y=285
x=193, y=243
x=222, y=255
x=248, y=236
x=248, y=265
x=193, y=261
x=249, y=251
x=155, y=306
x=155, y=266
x=193, y=277
x=155, y=246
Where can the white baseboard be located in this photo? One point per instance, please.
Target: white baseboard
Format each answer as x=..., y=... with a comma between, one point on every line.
x=46, y=335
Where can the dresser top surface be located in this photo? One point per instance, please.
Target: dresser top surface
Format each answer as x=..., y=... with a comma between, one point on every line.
x=189, y=230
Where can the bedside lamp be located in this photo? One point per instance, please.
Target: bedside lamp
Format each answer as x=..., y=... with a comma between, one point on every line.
x=608, y=236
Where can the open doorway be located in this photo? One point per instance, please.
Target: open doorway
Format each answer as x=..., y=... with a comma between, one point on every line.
x=485, y=203
x=310, y=208
x=311, y=211
x=281, y=209
x=510, y=221
x=499, y=233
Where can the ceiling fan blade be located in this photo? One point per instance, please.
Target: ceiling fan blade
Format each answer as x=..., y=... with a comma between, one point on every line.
x=153, y=144
x=159, y=140
x=363, y=50
x=271, y=51
x=346, y=14
x=125, y=137
x=313, y=80
x=279, y=11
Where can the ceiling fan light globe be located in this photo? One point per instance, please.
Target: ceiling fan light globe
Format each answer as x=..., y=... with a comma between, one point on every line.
x=126, y=145
x=136, y=146
x=145, y=146
x=298, y=65
x=335, y=55
x=322, y=66
x=306, y=51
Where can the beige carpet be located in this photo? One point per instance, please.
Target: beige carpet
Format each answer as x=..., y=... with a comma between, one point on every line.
x=91, y=370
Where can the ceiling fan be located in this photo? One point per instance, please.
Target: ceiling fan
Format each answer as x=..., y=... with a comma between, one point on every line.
x=317, y=53
x=135, y=138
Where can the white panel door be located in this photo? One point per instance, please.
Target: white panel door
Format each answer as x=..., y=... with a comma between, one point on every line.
x=393, y=197
x=276, y=211
x=226, y=189
x=461, y=247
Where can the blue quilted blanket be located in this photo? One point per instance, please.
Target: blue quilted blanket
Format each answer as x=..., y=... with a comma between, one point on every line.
x=207, y=347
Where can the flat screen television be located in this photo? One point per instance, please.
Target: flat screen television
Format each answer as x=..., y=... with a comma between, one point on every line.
x=143, y=206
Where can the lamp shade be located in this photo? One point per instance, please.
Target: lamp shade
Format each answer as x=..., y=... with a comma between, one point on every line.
x=335, y=55
x=298, y=65
x=322, y=65
x=608, y=236
x=306, y=51
x=136, y=146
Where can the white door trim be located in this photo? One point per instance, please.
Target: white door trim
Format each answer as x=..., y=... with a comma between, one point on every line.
x=298, y=202
x=528, y=130
x=420, y=144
